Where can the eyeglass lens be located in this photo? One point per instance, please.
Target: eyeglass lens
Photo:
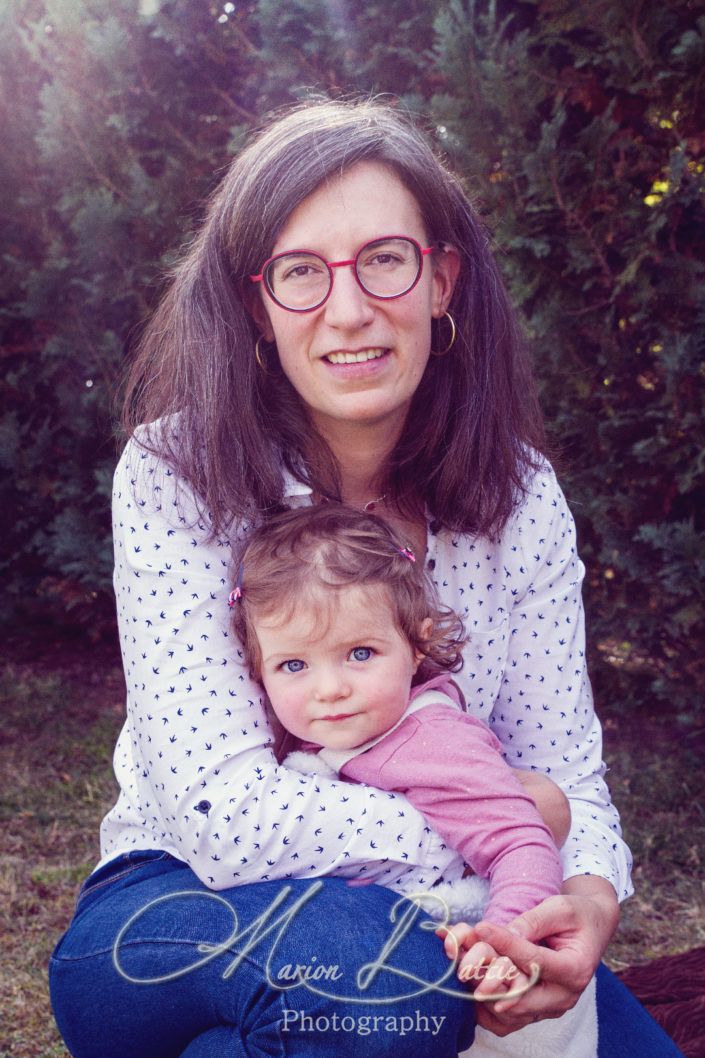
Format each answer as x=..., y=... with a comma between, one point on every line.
x=385, y=268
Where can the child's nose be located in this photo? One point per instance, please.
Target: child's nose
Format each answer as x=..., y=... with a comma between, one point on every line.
x=331, y=685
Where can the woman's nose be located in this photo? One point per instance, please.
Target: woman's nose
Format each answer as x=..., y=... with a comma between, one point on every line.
x=348, y=306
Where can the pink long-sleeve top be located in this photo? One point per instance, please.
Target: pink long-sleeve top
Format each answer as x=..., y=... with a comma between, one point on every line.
x=449, y=765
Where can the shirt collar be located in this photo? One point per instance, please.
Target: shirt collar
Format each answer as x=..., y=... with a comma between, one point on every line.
x=293, y=488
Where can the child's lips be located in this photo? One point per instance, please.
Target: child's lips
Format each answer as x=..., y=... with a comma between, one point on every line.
x=339, y=716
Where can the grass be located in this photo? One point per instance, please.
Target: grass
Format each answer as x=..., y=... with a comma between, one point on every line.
x=655, y=767
x=60, y=722
x=56, y=740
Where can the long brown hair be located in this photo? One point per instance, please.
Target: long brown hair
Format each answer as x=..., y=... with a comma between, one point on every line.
x=473, y=430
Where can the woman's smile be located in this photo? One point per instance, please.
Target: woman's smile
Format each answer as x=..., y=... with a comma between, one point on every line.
x=362, y=356
x=346, y=366
x=357, y=359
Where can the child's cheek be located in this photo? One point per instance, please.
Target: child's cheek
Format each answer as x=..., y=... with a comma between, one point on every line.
x=296, y=713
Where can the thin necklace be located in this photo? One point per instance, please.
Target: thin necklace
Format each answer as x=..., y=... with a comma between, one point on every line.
x=371, y=504
x=366, y=507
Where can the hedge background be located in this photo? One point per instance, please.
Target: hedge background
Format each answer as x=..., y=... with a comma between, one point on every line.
x=580, y=130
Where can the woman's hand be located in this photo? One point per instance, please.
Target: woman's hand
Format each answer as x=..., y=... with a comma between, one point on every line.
x=576, y=928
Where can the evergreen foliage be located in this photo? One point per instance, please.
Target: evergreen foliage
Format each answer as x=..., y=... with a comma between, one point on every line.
x=578, y=128
x=582, y=128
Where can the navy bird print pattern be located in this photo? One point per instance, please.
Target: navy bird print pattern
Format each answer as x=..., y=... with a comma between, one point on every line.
x=194, y=761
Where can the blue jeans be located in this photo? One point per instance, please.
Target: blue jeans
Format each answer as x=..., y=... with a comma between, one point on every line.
x=155, y=965
x=626, y=1029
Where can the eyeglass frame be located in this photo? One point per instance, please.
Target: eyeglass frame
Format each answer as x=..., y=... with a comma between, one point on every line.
x=330, y=265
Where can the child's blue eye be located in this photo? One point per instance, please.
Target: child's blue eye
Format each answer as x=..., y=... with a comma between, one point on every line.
x=361, y=653
x=293, y=665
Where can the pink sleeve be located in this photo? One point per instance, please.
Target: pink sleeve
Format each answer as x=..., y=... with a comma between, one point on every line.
x=450, y=767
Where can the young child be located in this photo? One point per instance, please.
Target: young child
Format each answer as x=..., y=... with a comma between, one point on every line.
x=343, y=629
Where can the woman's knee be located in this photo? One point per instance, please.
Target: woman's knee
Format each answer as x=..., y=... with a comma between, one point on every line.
x=313, y=961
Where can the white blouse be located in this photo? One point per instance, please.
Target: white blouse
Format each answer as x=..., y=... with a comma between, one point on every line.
x=194, y=761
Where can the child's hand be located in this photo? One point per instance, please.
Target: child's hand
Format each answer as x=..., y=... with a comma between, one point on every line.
x=457, y=938
x=461, y=944
x=488, y=974
x=500, y=979
x=474, y=964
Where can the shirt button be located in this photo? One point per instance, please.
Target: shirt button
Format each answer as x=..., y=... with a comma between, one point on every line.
x=431, y=563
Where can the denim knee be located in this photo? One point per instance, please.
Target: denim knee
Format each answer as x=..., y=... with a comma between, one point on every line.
x=626, y=1029
x=166, y=962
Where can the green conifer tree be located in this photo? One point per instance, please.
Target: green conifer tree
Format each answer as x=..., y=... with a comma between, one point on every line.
x=580, y=128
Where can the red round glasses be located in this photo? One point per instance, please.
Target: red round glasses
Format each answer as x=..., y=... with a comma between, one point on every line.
x=385, y=268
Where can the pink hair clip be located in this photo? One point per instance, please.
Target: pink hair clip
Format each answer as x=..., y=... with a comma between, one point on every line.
x=236, y=593
x=407, y=553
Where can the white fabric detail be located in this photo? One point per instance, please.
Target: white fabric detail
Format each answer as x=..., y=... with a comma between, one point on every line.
x=462, y=900
x=308, y=763
x=574, y=1035
x=337, y=758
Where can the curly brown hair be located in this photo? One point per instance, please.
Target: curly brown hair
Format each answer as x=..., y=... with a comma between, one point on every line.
x=299, y=554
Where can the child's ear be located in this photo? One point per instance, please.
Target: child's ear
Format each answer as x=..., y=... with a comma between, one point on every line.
x=425, y=632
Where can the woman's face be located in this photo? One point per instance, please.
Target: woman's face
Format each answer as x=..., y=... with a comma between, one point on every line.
x=364, y=203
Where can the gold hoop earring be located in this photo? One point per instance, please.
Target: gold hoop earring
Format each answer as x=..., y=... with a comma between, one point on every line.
x=453, y=336
x=261, y=362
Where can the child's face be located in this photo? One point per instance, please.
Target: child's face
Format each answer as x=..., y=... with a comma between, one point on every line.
x=340, y=677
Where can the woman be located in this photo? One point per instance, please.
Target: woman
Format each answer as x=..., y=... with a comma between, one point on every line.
x=338, y=330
